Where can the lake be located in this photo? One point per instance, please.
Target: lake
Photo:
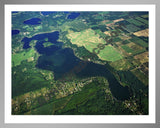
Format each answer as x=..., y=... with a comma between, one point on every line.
x=45, y=13
x=73, y=15
x=33, y=21
x=62, y=61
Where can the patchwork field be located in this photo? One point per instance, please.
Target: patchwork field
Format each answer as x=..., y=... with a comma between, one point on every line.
x=121, y=64
x=86, y=38
x=135, y=22
x=139, y=41
x=142, y=57
x=143, y=78
x=90, y=40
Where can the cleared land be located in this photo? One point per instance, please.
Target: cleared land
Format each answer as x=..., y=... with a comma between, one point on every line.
x=18, y=57
x=109, y=53
x=143, y=57
x=118, y=20
x=86, y=38
x=121, y=64
x=142, y=33
x=90, y=40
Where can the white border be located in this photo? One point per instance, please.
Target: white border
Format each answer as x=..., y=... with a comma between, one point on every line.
x=80, y=119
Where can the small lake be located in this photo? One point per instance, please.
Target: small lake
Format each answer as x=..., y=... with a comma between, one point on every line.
x=33, y=21
x=15, y=32
x=45, y=13
x=14, y=11
x=62, y=60
x=73, y=15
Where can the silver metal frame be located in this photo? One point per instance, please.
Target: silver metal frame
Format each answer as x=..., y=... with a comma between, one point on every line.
x=3, y=2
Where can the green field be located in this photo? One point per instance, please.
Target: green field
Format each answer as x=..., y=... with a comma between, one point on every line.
x=142, y=77
x=86, y=38
x=47, y=44
x=18, y=57
x=127, y=49
x=109, y=53
x=135, y=22
x=142, y=20
x=132, y=28
x=122, y=64
x=90, y=40
x=139, y=41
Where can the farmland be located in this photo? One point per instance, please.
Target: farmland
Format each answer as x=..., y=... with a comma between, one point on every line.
x=109, y=53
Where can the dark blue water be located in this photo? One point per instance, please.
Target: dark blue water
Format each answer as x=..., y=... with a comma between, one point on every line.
x=15, y=32
x=14, y=11
x=73, y=15
x=66, y=12
x=33, y=21
x=62, y=60
x=26, y=41
x=47, y=12
x=52, y=37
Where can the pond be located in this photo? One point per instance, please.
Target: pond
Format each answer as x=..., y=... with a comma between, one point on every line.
x=62, y=61
x=14, y=11
x=15, y=32
x=73, y=15
x=45, y=13
x=33, y=21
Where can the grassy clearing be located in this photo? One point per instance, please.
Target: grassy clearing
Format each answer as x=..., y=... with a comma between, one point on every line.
x=86, y=38
x=19, y=57
x=109, y=53
x=47, y=44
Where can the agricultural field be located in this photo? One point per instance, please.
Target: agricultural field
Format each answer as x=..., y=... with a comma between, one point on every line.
x=121, y=64
x=135, y=22
x=144, y=33
x=143, y=57
x=86, y=38
x=142, y=20
x=109, y=53
x=139, y=41
x=90, y=41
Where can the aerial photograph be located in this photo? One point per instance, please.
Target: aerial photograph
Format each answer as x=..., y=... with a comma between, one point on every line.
x=80, y=63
